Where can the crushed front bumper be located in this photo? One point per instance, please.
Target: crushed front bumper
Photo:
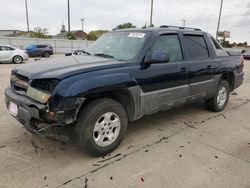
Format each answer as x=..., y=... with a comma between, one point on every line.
x=28, y=110
x=31, y=113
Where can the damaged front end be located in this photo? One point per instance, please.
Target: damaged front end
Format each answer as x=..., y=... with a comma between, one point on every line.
x=32, y=102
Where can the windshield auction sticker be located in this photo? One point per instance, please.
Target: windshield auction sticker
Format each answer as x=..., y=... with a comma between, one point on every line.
x=137, y=35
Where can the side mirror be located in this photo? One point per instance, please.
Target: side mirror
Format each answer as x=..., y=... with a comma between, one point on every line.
x=158, y=57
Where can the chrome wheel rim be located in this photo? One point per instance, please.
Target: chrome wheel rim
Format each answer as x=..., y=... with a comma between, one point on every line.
x=106, y=129
x=17, y=59
x=222, y=96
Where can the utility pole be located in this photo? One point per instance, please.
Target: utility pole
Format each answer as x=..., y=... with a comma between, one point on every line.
x=151, y=14
x=207, y=25
x=184, y=22
x=82, y=20
x=27, y=16
x=68, y=16
x=218, y=26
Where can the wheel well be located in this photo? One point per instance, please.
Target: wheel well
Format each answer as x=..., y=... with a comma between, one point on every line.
x=122, y=96
x=230, y=78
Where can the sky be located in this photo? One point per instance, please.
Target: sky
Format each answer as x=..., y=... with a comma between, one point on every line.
x=107, y=14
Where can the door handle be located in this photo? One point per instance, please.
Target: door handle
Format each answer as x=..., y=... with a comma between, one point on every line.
x=209, y=67
x=183, y=69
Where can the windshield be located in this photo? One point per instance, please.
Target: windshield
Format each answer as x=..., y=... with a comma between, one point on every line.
x=118, y=45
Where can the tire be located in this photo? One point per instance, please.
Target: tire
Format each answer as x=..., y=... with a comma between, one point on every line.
x=101, y=126
x=46, y=54
x=17, y=59
x=221, y=97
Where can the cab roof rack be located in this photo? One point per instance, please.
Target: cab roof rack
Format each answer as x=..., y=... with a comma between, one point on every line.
x=179, y=27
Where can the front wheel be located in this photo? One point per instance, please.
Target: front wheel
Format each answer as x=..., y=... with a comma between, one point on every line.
x=46, y=54
x=220, y=99
x=17, y=59
x=101, y=126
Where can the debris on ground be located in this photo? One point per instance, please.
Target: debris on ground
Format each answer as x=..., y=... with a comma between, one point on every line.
x=2, y=147
x=142, y=179
x=222, y=116
x=35, y=145
x=234, y=93
x=190, y=126
x=131, y=146
x=86, y=183
x=119, y=154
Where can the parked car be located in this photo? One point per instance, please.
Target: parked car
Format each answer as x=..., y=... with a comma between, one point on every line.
x=246, y=55
x=34, y=50
x=10, y=54
x=124, y=75
x=76, y=52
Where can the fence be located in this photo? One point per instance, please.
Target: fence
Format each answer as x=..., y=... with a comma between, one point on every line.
x=59, y=45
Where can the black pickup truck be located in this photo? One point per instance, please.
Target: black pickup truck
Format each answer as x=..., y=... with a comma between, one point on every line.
x=124, y=75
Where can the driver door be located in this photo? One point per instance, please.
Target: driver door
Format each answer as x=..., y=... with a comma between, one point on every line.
x=165, y=85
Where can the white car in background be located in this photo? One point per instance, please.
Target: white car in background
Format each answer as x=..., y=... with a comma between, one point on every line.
x=10, y=54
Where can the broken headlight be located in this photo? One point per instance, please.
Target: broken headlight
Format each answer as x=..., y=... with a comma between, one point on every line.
x=41, y=90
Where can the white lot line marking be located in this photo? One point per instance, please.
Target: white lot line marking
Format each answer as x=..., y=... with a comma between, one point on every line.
x=15, y=155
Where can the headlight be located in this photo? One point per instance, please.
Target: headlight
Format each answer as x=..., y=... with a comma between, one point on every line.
x=38, y=95
x=45, y=84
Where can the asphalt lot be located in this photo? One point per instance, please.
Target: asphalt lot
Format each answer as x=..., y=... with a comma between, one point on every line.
x=187, y=146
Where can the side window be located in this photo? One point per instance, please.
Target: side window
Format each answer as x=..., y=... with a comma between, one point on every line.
x=170, y=44
x=10, y=49
x=218, y=48
x=196, y=47
x=4, y=48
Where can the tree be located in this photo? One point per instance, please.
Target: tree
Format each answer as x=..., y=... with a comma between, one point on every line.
x=245, y=43
x=40, y=33
x=125, y=26
x=71, y=36
x=94, y=35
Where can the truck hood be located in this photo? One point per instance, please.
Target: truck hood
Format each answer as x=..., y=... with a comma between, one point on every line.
x=64, y=67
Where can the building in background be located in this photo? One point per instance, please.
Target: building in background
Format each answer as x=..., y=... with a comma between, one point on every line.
x=78, y=34
x=12, y=33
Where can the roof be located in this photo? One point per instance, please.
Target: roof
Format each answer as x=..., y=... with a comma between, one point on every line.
x=164, y=28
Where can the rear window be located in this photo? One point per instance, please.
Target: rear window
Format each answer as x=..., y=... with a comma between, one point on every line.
x=218, y=48
x=196, y=47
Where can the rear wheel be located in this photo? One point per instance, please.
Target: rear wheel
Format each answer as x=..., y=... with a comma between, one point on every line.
x=220, y=99
x=46, y=54
x=17, y=59
x=101, y=126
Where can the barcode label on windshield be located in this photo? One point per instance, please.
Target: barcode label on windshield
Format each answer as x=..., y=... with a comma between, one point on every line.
x=136, y=35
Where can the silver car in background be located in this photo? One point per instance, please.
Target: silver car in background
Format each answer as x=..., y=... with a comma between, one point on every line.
x=10, y=54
